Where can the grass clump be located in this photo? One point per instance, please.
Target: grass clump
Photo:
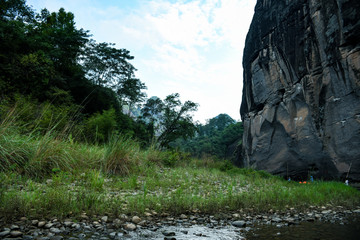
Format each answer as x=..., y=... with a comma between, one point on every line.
x=121, y=155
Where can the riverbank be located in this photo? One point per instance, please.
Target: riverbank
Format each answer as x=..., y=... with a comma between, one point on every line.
x=152, y=225
x=94, y=205
x=56, y=187
x=174, y=190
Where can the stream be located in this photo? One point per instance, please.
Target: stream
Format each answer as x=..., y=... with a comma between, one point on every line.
x=308, y=230
x=317, y=230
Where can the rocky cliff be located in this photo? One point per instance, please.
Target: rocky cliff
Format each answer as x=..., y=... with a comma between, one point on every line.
x=301, y=91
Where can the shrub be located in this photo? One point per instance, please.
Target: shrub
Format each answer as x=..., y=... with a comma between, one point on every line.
x=99, y=127
x=121, y=154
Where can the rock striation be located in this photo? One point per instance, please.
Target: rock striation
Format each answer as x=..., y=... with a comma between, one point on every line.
x=301, y=91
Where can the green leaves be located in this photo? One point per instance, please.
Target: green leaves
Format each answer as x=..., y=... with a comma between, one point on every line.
x=215, y=138
x=171, y=118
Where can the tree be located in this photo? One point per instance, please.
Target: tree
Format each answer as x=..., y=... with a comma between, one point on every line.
x=217, y=138
x=108, y=66
x=15, y=17
x=171, y=118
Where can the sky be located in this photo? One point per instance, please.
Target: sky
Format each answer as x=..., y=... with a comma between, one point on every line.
x=190, y=47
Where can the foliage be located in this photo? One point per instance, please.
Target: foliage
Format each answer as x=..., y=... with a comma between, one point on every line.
x=108, y=66
x=46, y=58
x=99, y=127
x=170, y=118
x=216, y=138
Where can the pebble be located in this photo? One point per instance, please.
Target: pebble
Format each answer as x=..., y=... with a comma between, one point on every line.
x=56, y=238
x=122, y=226
x=4, y=233
x=41, y=224
x=35, y=222
x=117, y=222
x=136, y=219
x=130, y=227
x=276, y=219
x=14, y=227
x=239, y=224
x=48, y=225
x=55, y=230
x=168, y=233
x=104, y=219
x=76, y=226
x=16, y=233
x=67, y=224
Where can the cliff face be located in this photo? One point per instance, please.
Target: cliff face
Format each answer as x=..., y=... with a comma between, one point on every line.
x=301, y=95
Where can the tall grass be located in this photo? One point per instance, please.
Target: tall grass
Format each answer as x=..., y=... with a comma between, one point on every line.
x=120, y=177
x=121, y=155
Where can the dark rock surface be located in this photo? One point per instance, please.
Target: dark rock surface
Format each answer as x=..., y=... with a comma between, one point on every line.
x=301, y=94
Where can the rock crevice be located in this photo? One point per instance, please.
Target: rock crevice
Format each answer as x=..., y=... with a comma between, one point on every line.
x=301, y=94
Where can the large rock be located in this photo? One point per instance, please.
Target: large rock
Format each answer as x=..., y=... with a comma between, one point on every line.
x=301, y=94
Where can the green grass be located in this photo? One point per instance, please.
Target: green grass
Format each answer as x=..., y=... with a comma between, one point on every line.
x=172, y=190
x=47, y=175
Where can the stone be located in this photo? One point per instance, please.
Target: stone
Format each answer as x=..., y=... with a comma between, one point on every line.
x=112, y=235
x=68, y=223
x=168, y=233
x=16, y=233
x=55, y=230
x=27, y=237
x=34, y=222
x=239, y=224
x=117, y=222
x=14, y=227
x=48, y=225
x=123, y=217
x=56, y=238
x=75, y=225
x=82, y=236
x=276, y=219
x=135, y=219
x=301, y=89
x=130, y=227
x=4, y=233
x=104, y=219
x=41, y=224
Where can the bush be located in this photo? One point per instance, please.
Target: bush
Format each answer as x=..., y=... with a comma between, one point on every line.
x=99, y=127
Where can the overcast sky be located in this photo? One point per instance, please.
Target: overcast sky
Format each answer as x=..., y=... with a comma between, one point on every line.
x=190, y=47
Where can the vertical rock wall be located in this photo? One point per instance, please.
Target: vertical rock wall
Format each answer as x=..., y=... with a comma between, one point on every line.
x=301, y=94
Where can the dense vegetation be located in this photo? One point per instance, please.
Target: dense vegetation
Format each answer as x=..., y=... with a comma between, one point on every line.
x=53, y=67
x=220, y=137
x=67, y=142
